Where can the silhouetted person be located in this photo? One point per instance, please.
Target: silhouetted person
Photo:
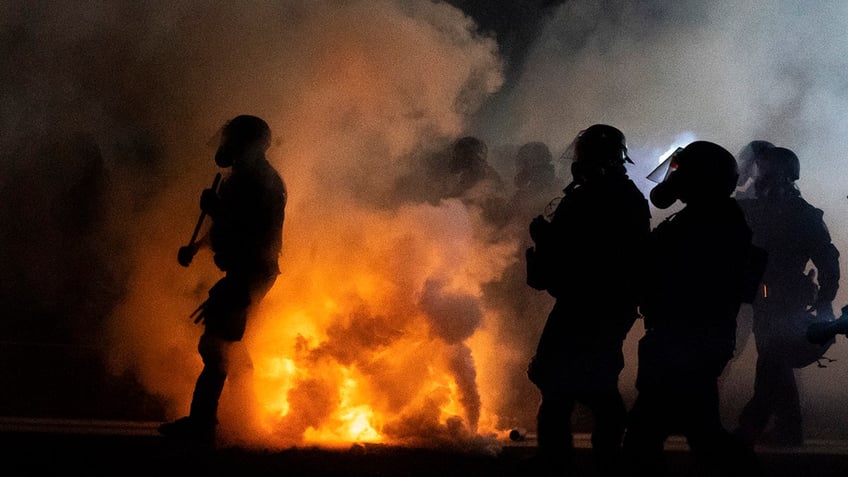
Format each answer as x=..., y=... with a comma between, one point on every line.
x=746, y=159
x=587, y=257
x=474, y=181
x=535, y=177
x=245, y=237
x=694, y=284
x=523, y=309
x=794, y=234
x=470, y=167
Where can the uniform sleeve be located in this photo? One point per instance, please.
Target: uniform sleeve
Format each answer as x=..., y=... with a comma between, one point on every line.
x=824, y=256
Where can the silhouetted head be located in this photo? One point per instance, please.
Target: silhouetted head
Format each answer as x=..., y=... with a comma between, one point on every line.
x=533, y=164
x=533, y=155
x=705, y=172
x=777, y=169
x=243, y=137
x=599, y=150
x=601, y=144
x=467, y=153
x=748, y=157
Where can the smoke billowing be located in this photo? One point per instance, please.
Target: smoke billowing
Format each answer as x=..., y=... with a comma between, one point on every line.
x=401, y=312
x=718, y=71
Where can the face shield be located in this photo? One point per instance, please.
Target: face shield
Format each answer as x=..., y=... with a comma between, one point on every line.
x=704, y=171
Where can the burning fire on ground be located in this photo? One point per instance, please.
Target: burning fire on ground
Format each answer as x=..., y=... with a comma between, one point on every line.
x=379, y=336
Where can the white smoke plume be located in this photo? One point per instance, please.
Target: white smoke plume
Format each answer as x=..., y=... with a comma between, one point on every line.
x=725, y=71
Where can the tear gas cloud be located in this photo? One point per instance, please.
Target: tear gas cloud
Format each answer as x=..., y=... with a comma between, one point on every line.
x=401, y=313
x=719, y=71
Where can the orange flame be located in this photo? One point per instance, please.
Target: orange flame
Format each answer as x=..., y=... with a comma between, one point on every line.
x=372, y=349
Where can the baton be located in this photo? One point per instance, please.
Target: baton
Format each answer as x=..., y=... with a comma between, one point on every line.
x=202, y=213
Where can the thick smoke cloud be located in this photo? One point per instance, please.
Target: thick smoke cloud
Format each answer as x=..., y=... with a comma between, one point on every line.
x=108, y=113
x=720, y=71
x=108, y=125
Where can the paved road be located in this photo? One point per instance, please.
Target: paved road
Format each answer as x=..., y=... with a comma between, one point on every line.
x=118, y=448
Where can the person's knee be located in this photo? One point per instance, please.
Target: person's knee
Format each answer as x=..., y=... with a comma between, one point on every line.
x=215, y=352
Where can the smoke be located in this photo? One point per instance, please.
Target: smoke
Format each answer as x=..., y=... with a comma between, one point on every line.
x=718, y=71
x=454, y=318
x=402, y=310
x=106, y=122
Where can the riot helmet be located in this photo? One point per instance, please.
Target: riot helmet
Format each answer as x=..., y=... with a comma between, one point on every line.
x=533, y=164
x=776, y=171
x=467, y=153
x=241, y=135
x=705, y=172
x=601, y=144
x=747, y=159
x=597, y=151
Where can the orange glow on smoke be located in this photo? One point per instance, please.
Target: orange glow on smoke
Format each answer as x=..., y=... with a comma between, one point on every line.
x=344, y=350
x=376, y=330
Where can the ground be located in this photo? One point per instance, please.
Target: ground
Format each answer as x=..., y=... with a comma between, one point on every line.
x=56, y=447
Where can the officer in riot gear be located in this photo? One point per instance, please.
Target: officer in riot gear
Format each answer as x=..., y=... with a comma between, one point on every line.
x=746, y=158
x=535, y=177
x=470, y=168
x=794, y=234
x=696, y=280
x=587, y=257
x=246, y=239
x=475, y=182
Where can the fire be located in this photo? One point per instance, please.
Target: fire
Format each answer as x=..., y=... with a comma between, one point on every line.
x=378, y=349
x=351, y=422
x=279, y=370
x=377, y=327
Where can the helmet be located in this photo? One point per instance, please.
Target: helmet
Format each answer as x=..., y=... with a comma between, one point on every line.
x=466, y=152
x=533, y=165
x=240, y=134
x=603, y=144
x=780, y=161
x=533, y=155
x=247, y=129
x=754, y=150
x=705, y=171
x=776, y=172
x=748, y=157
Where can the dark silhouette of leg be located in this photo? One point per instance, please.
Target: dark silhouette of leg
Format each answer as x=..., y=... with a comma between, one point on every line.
x=610, y=415
x=555, y=439
x=210, y=383
x=787, y=407
x=715, y=451
x=707, y=438
x=646, y=434
x=200, y=424
x=757, y=412
x=775, y=394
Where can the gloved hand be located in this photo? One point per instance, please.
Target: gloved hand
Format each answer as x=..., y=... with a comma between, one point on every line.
x=186, y=254
x=209, y=201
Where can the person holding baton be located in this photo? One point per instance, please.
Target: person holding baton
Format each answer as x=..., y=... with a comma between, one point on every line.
x=246, y=239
